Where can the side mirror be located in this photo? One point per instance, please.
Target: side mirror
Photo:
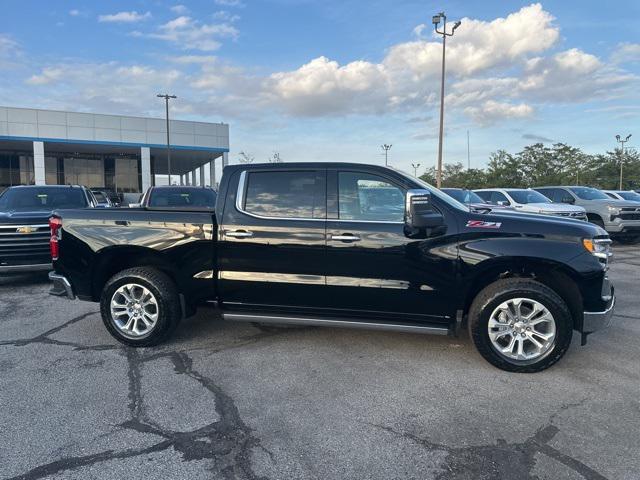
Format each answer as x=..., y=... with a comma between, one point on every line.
x=420, y=217
x=504, y=203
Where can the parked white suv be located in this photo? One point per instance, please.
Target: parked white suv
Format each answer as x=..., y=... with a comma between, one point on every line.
x=530, y=201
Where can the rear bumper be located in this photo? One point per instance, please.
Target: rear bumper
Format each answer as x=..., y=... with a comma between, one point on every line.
x=38, y=267
x=60, y=286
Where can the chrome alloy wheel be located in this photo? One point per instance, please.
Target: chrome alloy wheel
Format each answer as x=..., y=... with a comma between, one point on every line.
x=134, y=310
x=522, y=329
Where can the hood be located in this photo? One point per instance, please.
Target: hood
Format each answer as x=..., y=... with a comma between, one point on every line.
x=534, y=224
x=489, y=206
x=556, y=207
x=24, y=218
x=613, y=202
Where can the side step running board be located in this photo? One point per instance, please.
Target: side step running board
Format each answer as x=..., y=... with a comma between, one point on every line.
x=338, y=322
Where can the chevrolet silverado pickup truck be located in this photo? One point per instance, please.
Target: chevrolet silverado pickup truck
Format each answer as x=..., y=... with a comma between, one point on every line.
x=310, y=244
x=24, y=223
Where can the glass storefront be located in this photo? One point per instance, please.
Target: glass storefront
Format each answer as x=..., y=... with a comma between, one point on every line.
x=120, y=173
x=16, y=168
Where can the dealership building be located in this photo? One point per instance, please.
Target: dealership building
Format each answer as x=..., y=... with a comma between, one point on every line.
x=120, y=153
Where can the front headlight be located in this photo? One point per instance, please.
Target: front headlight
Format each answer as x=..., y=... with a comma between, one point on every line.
x=613, y=210
x=598, y=247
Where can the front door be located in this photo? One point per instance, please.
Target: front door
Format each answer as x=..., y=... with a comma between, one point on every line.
x=372, y=267
x=271, y=248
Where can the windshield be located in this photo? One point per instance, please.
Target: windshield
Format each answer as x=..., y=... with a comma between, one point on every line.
x=633, y=196
x=528, y=196
x=435, y=192
x=588, y=193
x=36, y=199
x=180, y=197
x=100, y=197
x=464, y=196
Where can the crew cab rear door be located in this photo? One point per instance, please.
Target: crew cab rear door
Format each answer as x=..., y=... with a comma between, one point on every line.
x=271, y=249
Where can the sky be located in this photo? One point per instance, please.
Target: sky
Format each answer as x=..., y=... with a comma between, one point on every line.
x=334, y=80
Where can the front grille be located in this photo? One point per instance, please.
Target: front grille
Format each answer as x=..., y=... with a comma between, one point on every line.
x=629, y=216
x=577, y=215
x=18, y=247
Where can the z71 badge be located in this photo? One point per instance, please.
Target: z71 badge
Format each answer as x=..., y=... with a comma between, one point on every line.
x=481, y=224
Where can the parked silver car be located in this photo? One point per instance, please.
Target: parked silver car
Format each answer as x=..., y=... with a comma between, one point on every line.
x=529, y=201
x=620, y=218
x=629, y=195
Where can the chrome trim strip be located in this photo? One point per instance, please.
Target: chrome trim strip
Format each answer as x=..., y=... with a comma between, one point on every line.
x=340, y=281
x=269, y=277
x=336, y=322
x=205, y=274
x=20, y=226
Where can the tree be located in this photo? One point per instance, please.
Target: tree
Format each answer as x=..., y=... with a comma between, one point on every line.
x=245, y=157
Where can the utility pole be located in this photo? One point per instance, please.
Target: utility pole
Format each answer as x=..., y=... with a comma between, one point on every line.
x=166, y=102
x=436, y=20
x=415, y=166
x=622, y=142
x=386, y=149
x=468, y=153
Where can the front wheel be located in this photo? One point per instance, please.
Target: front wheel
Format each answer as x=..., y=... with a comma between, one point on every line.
x=520, y=325
x=140, y=307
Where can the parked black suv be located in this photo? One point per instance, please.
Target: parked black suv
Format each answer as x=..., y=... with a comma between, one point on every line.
x=24, y=223
x=313, y=244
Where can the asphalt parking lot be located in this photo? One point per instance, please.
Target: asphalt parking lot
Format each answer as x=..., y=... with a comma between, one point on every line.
x=227, y=400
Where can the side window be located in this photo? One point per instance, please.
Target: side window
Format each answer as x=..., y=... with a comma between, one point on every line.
x=286, y=194
x=550, y=193
x=362, y=196
x=486, y=196
x=611, y=195
x=565, y=197
x=499, y=198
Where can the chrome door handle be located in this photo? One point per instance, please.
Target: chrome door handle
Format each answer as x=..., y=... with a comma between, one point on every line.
x=238, y=233
x=345, y=238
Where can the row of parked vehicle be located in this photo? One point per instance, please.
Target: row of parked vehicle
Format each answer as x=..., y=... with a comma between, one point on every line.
x=616, y=211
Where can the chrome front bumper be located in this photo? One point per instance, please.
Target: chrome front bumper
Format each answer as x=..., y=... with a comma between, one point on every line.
x=60, y=286
x=594, y=321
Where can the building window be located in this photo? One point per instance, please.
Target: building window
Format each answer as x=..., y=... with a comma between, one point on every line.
x=16, y=168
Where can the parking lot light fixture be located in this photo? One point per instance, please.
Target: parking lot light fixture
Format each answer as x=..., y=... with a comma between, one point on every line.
x=415, y=166
x=386, y=149
x=622, y=142
x=166, y=97
x=436, y=19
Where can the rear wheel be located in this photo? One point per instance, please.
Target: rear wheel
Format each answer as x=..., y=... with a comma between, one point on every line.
x=520, y=325
x=140, y=307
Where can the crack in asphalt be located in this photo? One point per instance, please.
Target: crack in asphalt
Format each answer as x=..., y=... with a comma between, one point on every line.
x=502, y=459
x=228, y=441
x=45, y=338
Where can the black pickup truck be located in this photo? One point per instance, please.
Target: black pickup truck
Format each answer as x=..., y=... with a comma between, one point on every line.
x=312, y=244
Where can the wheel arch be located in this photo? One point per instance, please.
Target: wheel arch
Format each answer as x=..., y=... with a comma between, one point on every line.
x=112, y=260
x=559, y=277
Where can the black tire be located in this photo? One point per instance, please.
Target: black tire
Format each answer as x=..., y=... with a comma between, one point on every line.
x=168, y=305
x=596, y=220
x=502, y=290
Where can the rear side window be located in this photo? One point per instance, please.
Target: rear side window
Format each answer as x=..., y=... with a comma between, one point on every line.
x=183, y=198
x=362, y=196
x=486, y=196
x=286, y=194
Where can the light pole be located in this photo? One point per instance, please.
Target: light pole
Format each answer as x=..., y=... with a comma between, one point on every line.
x=436, y=20
x=386, y=149
x=166, y=97
x=415, y=166
x=622, y=142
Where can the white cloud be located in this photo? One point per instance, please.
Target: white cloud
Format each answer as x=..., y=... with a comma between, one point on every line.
x=48, y=75
x=75, y=12
x=179, y=9
x=190, y=34
x=492, y=111
x=124, y=17
x=194, y=59
x=626, y=52
x=229, y=3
